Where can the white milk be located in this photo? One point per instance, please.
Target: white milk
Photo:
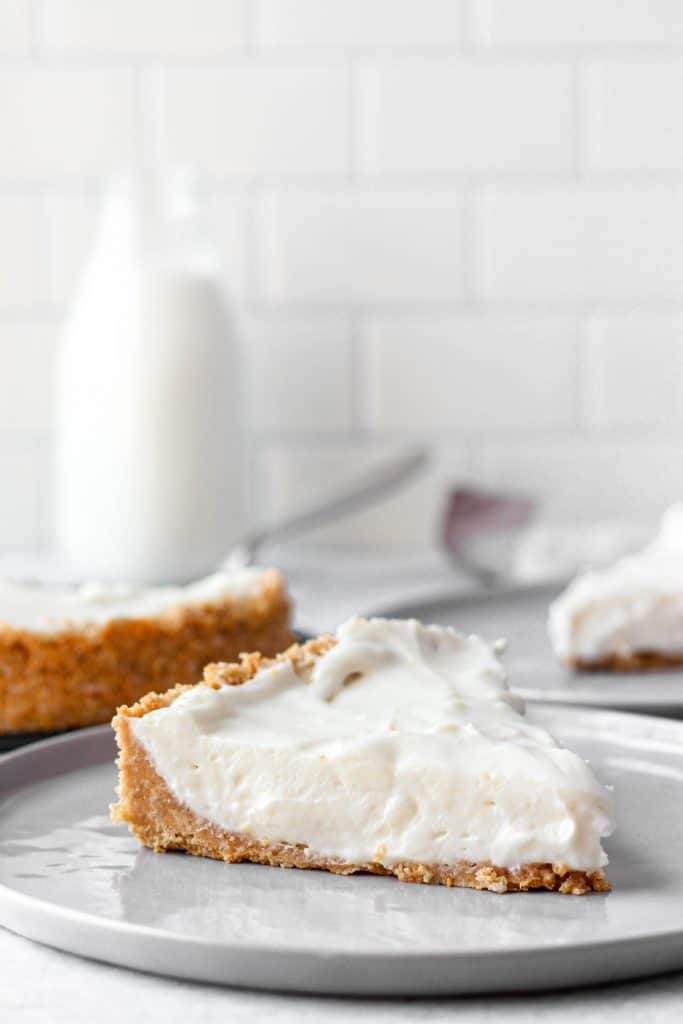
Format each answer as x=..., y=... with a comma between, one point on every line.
x=149, y=453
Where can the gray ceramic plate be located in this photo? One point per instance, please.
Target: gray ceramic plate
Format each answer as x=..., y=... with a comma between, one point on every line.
x=520, y=615
x=71, y=879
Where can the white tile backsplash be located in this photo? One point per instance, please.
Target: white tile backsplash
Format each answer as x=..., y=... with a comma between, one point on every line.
x=578, y=23
x=360, y=245
x=15, y=26
x=580, y=479
x=456, y=221
x=450, y=115
x=257, y=119
x=300, y=374
x=470, y=373
x=633, y=115
x=345, y=24
x=227, y=226
x=23, y=470
x=65, y=122
x=70, y=223
x=23, y=264
x=166, y=28
x=579, y=243
x=27, y=358
x=633, y=370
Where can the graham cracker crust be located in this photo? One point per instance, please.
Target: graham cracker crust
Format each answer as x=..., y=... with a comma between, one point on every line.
x=637, y=661
x=161, y=822
x=79, y=675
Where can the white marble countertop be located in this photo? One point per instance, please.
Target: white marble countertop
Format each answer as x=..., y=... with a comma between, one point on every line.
x=39, y=985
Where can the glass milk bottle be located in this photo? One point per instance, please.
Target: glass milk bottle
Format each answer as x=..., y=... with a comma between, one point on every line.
x=149, y=455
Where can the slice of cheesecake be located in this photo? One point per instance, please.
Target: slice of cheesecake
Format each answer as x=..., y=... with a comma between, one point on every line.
x=392, y=748
x=70, y=656
x=628, y=616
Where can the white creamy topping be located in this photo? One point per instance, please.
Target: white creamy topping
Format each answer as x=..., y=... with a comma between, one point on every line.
x=49, y=609
x=402, y=742
x=633, y=606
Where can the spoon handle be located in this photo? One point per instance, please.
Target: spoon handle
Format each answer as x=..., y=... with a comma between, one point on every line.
x=364, y=491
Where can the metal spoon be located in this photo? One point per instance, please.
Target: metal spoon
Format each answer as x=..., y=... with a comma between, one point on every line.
x=364, y=491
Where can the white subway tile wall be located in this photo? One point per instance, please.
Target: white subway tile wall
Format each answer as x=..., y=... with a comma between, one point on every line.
x=472, y=115
x=24, y=470
x=633, y=111
x=450, y=221
x=347, y=24
x=479, y=385
x=579, y=23
x=257, y=120
x=65, y=123
x=578, y=243
x=15, y=27
x=299, y=374
x=23, y=264
x=355, y=245
x=70, y=219
x=153, y=28
x=651, y=393
x=27, y=358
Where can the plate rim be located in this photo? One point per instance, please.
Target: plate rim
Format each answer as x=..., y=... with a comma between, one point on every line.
x=58, y=911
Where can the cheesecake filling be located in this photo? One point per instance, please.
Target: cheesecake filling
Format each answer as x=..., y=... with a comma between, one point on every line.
x=401, y=743
x=48, y=608
x=634, y=606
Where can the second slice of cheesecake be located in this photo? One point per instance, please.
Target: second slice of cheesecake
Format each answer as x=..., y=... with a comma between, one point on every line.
x=392, y=748
x=627, y=616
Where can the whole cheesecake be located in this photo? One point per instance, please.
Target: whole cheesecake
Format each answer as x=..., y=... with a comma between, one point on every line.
x=70, y=656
